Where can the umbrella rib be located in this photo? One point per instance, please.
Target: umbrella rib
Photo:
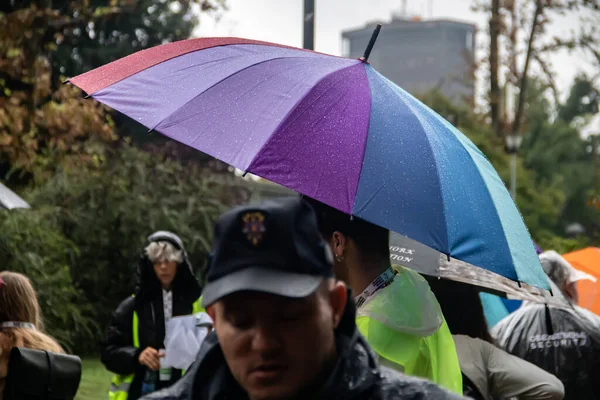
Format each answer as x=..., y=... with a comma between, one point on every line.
x=148, y=58
x=466, y=151
x=372, y=197
x=221, y=81
x=247, y=138
x=293, y=109
x=390, y=85
x=322, y=172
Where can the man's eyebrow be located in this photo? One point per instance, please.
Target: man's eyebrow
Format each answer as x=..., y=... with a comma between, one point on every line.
x=304, y=301
x=234, y=306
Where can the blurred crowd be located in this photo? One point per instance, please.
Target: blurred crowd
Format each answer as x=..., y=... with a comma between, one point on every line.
x=301, y=301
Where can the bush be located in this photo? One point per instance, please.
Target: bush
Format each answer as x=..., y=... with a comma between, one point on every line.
x=30, y=245
x=106, y=213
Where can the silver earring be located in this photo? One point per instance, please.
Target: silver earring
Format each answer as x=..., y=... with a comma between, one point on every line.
x=339, y=258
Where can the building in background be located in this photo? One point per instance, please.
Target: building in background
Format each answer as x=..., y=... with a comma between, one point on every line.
x=421, y=55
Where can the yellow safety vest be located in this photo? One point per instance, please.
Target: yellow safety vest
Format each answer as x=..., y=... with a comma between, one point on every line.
x=120, y=384
x=403, y=323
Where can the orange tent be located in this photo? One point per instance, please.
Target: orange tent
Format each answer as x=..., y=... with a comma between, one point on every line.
x=588, y=261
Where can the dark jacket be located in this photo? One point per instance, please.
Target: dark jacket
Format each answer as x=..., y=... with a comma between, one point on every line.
x=119, y=354
x=356, y=375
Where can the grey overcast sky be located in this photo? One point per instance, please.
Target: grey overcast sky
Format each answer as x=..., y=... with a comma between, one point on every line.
x=281, y=21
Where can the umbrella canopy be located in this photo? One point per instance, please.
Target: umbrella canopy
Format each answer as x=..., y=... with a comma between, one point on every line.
x=587, y=260
x=330, y=128
x=10, y=200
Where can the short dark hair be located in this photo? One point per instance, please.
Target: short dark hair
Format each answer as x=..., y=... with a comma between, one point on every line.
x=461, y=307
x=372, y=240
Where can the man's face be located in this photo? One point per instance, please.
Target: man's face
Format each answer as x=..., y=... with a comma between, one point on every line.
x=276, y=346
x=165, y=272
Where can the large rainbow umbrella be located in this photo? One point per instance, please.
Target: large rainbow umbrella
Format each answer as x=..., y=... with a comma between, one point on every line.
x=330, y=128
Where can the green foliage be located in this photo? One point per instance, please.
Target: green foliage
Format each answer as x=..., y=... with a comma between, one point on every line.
x=31, y=245
x=94, y=199
x=563, y=245
x=41, y=43
x=38, y=120
x=583, y=99
x=107, y=213
x=118, y=28
x=561, y=158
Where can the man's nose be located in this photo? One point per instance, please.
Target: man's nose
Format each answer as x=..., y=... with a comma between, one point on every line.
x=266, y=338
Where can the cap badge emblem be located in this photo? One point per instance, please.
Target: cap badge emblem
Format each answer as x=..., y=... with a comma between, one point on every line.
x=254, y=227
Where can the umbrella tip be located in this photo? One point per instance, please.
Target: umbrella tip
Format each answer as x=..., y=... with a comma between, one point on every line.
x=150, y=131
x=66, y=81
x=369, y=48
x=244, y=174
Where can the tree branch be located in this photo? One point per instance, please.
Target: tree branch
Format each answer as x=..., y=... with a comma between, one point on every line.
x=569, y=44
x=494, y=87
x=523, y=87
x=512, y=8
x=549, y=76
x=595, y=52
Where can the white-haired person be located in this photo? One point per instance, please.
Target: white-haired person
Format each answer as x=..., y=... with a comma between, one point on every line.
x=165, y=287
x=561, y=339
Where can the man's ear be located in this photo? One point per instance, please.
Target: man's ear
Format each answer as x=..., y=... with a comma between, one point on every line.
x=210, y=310
x=338, y=295
x=338, y=244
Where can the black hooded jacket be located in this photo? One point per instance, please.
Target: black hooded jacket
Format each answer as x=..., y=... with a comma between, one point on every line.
x=356, y=375
x=119, y=354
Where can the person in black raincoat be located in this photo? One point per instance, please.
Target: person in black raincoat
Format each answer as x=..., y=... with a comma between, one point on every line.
x=563, y=340
x=284, y=326
x=165, y=287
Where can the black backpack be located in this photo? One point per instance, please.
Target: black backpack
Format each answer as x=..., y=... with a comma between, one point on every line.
x=41, y=375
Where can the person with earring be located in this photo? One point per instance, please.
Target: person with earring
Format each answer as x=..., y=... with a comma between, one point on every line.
x=284, y=324
x=396, y=310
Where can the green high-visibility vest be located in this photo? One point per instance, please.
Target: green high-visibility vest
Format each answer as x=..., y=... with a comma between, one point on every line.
x=120, y=384
x=404, y=325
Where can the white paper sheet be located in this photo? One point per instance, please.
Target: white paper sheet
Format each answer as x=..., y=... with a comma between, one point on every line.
x=184, y=337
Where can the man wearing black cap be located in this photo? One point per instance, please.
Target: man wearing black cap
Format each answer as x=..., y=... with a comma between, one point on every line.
x=284, y=327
